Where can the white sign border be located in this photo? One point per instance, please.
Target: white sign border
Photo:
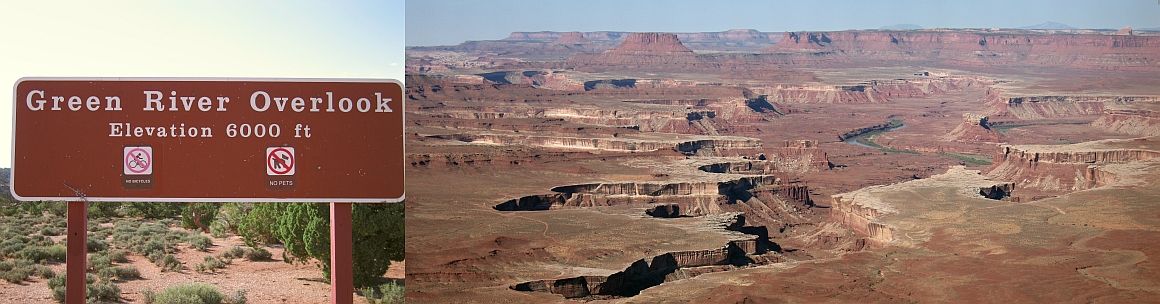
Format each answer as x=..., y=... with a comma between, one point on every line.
x=18, y=197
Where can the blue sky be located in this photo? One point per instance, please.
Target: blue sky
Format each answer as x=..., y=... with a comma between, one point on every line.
x=451, y=22
x=265, y=38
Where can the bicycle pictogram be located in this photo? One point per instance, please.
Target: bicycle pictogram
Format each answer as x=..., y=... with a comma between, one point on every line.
x=138, y=160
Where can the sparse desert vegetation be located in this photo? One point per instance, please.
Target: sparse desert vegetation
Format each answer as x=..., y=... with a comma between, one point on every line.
x=139, y=244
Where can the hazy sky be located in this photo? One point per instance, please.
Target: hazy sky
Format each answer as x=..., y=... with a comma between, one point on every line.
x=307, y=39
x=452, y=22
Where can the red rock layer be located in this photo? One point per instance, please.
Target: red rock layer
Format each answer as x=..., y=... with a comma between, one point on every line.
x=650, y=43
x=1131, y=122
x=1061, y=171
x=983, y=47
x=861, y=219
x=642, y=51
x=974, y=128
x=571, y=38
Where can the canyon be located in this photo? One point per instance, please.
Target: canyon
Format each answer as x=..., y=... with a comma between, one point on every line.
x=939, y=165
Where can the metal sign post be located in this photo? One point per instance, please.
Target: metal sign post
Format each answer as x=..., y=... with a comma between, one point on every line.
x=341, y=258
x=77, y=246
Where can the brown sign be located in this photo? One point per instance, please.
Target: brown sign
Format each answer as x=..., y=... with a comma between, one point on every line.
x=217, y=140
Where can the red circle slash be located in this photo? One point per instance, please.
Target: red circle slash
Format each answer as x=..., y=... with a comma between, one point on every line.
x=136, y=163
x=277, y=164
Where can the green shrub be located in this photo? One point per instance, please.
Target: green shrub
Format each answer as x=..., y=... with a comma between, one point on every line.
x=56, y=253
x=38, y=254
x=96, y=245
x=389, y=293
x=199, y=215
x=118, y=256
x=43, y=271
x=148, y=296
x=304, y=230
x=56, y=208
x=100, y=234
x=17, y=275
x=103, y=210
x=57, y=286
x=152, y=246
x=257, y=225
x=11, y=246
x=234, y=252
x=99, y=261
x=169, y=262
x=239, y=297
x=50, y=231
x=152, y=210
x=210, y=265
x=40, y=240
x=218, y=229
x=156, y=257
x=96, y=292
x=200, y=242
x=258, y=254
x=192, y=293
x=9, y=264
x=103, y=292
x=121, y=273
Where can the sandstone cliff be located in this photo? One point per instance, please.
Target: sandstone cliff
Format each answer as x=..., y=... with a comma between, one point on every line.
x=871, y=91
x=1130, y=121
x=735, y=40
x=648, y=272
x=1064, y=167
x=866, y=211
x=571, y=38
x=981, y=48
x=974, y=128
x=641, y=51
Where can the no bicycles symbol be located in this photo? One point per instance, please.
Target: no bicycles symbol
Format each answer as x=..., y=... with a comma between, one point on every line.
x=280, y=161
x=138, y=160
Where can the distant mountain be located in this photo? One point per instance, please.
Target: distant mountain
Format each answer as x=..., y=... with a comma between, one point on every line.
x=901, y=27
x=1150, y=29
x=1050, y=25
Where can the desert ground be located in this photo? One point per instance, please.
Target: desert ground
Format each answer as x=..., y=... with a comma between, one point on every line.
x=262, y=279
x=961, y=165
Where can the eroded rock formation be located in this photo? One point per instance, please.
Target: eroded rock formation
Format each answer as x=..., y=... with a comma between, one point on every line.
x=671, y=266
x=1130, y=121
x=974, y=128
x=712, y=146
x=1062, y=168
x=572, y=38
x=871, y=91
x=680, y=199
x=980, y=48
x=875, y=128
x=645, y=51
x=865, y=210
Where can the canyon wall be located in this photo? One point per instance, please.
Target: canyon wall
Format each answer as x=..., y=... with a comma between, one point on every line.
x=640, y=51
x=974, y=128
x=737, y=39
x=671, y=266
x=875, y=128
x=1131, y=122
x=860, y=218
x=1060, y=168
x=714, y=146
x=871, y=91
x=981, y=47
x=678, y=199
